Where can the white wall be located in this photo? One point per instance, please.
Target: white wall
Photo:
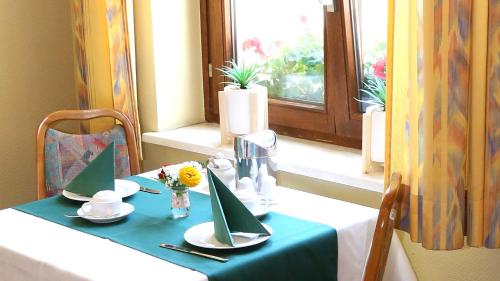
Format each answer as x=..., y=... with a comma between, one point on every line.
x=36, y=77
x=170, y=81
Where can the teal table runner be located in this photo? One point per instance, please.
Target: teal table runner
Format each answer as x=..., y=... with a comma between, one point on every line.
x=297, y=250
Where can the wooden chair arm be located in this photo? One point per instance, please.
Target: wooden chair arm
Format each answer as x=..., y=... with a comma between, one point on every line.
x=388, y=215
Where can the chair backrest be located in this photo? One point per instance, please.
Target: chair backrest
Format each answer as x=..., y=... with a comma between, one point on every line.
x=80, y=115
x=387, y=217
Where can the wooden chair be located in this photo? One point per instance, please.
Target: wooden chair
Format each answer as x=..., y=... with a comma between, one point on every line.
x=388, y=215
x=133, y=159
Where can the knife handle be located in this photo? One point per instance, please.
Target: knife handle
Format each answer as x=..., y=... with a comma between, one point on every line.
x=149, y=190
x=221, y=259
x=180, y=249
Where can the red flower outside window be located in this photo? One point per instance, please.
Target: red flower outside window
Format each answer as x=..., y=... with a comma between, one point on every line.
x=379, y=68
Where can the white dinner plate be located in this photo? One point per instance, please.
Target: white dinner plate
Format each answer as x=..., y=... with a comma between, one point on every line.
x=203, y=235
x=126, y=209
x=124, y=187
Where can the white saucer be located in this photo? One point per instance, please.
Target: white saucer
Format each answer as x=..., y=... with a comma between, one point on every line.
x=126, y=209
x=124, y=187
x=261, y=210
x=202, y=235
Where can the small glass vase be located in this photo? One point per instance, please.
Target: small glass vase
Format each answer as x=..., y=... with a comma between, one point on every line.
x=180, y=203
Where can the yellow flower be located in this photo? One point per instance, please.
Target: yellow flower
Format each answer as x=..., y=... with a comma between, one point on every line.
x=189, y=176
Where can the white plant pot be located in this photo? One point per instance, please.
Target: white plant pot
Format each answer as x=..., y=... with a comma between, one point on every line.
x=246, y=110
x=373, y=137
x=378, y=136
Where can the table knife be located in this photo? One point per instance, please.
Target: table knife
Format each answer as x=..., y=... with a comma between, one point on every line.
x=149, y=190
x=186, y=250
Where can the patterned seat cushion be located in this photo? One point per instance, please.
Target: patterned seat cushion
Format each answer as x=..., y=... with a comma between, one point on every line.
x=67, y=154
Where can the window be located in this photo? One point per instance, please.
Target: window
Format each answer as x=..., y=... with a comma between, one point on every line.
x=312, y=65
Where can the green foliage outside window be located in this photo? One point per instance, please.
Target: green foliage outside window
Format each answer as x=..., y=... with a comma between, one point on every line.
x=296, y=72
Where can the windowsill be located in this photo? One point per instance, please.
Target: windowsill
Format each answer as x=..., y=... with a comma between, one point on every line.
x=297, y=156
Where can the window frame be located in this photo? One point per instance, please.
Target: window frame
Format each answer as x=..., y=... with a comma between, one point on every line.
x=337, y=122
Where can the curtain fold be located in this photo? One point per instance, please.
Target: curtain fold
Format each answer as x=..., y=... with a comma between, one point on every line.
x=443, y=132
x=103, y=66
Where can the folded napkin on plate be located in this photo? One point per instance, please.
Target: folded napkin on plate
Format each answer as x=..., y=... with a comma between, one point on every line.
x=229, y=214
x=98, y=175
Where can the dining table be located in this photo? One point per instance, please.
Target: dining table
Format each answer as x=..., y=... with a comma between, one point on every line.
x=33, y=248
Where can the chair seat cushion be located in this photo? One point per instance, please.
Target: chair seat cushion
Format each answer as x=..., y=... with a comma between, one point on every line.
x=66, y=155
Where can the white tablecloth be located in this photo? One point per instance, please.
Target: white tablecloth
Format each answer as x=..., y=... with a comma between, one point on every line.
x=35, y=249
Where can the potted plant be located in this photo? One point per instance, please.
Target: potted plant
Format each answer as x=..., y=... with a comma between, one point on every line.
x=243, y=103
x=373, y=143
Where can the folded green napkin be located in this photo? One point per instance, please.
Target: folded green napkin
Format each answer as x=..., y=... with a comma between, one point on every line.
x=98, y=175
x=229, y=214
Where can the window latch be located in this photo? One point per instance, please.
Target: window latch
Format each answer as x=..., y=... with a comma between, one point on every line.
x=330, y=5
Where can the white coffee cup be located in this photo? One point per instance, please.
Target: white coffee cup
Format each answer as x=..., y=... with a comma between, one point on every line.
x=248, y=198
x=246, y=184
x=104, y=204
x=268, y=185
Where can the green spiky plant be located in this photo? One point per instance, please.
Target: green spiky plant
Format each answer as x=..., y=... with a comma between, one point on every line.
x=242, y=76
x=375, y=89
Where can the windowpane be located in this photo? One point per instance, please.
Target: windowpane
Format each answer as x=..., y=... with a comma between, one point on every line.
x=372, y=22
x=286, y=38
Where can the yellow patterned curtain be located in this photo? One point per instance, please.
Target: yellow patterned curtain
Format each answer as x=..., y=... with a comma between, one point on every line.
x=104, y=69
x=443, y=125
